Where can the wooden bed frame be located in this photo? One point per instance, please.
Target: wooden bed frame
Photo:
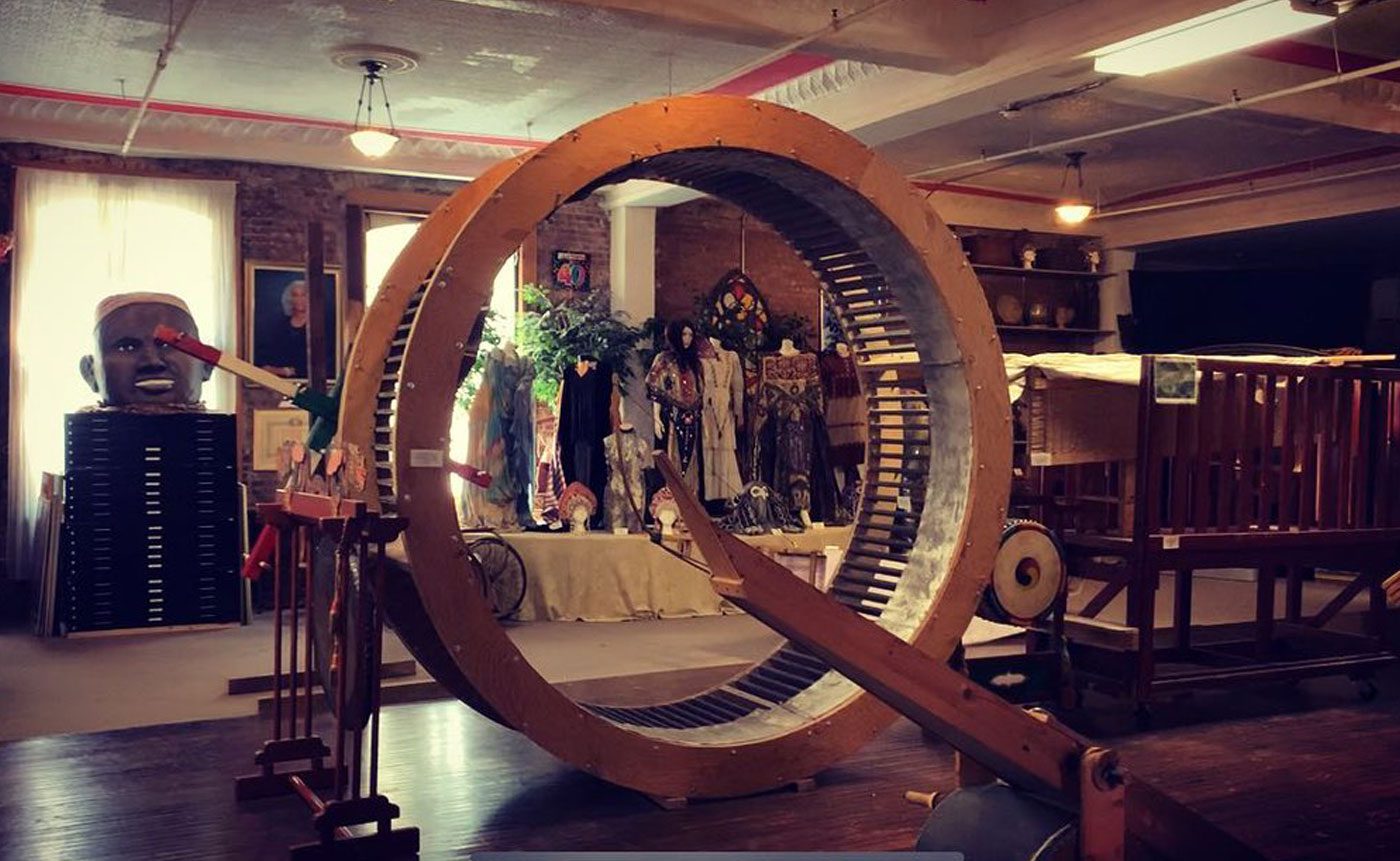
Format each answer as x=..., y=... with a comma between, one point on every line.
x=1277, y=467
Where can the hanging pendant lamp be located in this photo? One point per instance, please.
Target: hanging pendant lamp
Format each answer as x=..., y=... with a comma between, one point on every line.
x=1073, y=208
x=370, y=141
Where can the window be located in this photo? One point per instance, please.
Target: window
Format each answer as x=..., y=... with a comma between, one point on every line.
x=386, y=234
x=79, y=238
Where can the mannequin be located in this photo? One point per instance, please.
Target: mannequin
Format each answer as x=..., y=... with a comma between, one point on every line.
x=665, y=511
x=585, y=409
x=578, y=505
x=674, y=385
x=723, y=416
x=627, y=456
x=502, y=442
x=790, y=440
x=844, y=411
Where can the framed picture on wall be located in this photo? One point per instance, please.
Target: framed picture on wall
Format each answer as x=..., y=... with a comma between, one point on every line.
x=271, y=428
x=276, y=318
x=571, y=270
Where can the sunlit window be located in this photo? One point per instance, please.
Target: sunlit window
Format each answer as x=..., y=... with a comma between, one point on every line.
x=386, y=234
x=79, y=238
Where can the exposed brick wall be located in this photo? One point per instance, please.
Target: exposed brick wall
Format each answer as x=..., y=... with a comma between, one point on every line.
x=275, y=204
x=579, y=226
x=698, y=242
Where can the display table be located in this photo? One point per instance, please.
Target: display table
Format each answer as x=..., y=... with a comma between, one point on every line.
x=601, y=577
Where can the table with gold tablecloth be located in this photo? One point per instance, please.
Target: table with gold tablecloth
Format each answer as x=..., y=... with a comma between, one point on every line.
x=602, y=577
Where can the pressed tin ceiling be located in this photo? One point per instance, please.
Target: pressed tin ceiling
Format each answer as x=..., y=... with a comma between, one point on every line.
x=923, y=80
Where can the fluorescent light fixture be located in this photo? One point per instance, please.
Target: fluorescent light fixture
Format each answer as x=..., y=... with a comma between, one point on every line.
x=373, y=142
x=1223, y=31
x=1073, y=213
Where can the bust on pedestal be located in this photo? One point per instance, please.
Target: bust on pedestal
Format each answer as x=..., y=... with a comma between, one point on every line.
x=152, y=500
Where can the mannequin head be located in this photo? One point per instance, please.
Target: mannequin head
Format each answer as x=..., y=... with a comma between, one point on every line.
x=680, y=340
x=680, y=335
x=667, y=517
x=577, y=503
x=127, y=367
x=578, y=518
x=664, y=510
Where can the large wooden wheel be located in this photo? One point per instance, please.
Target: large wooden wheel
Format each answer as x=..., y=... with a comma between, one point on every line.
x=938, y=461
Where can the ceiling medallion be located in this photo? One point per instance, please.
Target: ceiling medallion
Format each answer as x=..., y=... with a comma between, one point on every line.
x=392, y=61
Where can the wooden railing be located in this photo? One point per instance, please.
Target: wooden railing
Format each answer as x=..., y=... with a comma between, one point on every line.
x=1270, y=447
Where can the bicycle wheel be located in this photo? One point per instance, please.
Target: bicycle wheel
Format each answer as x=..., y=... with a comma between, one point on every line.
x=503, y=574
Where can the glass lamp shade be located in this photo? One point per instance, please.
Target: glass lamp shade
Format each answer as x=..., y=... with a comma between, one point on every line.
x=373, y=142
x=1073, y=212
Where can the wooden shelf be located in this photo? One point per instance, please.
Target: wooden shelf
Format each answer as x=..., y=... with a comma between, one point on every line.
x=1053, y=330
x=1043, y=273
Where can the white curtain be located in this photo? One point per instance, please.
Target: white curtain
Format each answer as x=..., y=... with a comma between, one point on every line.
x=78, y=238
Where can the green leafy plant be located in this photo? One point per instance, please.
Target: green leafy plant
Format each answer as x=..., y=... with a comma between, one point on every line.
x=555, y=333
x=490, y=339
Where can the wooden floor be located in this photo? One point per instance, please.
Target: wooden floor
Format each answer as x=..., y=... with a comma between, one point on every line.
x=1305, y=773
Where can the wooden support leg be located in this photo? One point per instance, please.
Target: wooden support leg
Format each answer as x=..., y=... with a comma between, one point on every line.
x=1103, y=820
x=1293, y=595
x=1264, y=612
x=805, y=784
x=669, y=802
x=1181, y=612
x=1142, y=611
x=1375, y=616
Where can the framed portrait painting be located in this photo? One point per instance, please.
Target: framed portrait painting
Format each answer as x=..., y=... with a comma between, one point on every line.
x=276, y=316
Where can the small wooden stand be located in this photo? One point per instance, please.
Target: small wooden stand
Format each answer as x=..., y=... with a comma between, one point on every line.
x=298, y=519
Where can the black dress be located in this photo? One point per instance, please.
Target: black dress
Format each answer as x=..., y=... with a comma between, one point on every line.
x=585, y=421
x=283, y=345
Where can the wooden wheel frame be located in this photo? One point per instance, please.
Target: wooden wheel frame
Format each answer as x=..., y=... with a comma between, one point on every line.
x=938, y=462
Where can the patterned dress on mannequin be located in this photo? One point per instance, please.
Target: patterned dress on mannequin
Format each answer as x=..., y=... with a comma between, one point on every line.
x=723, y=385
x=677, y=391
x=790, y=451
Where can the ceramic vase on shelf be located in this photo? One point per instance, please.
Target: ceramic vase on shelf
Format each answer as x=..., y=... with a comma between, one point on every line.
x=1064, y=316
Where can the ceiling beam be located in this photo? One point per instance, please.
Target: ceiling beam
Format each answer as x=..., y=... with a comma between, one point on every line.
x=647, y=193
x=1032, y=56
x=917, y=34
x=1361, y=192
x=1368, y=104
